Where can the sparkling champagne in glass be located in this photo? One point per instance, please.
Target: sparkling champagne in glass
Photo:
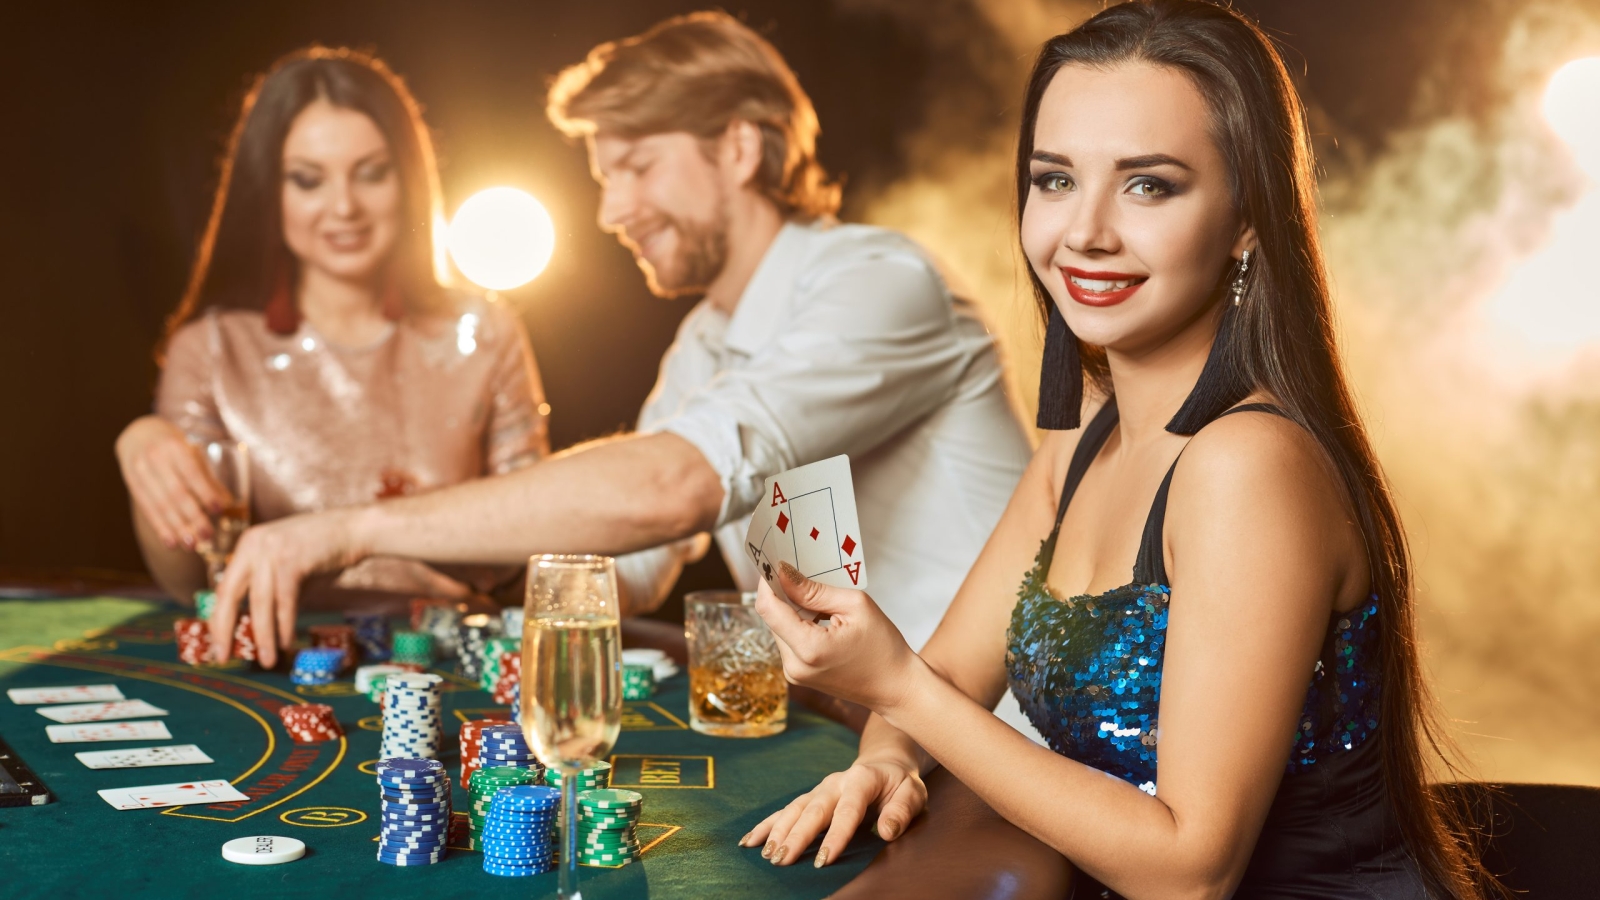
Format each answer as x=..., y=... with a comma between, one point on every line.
x=571, y=677
x=229, y=462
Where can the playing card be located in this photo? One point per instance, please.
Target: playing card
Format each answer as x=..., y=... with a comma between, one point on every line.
x=152, y=730
x=134, y=757
x=79, y=693
x=180, y=794
x=808, y=519
x=100, y=712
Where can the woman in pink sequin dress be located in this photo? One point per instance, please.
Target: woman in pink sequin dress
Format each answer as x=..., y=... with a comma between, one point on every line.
x=316, y=332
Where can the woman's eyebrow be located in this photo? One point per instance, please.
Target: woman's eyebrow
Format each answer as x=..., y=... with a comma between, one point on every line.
x=1151, y=160
x=1045, y=156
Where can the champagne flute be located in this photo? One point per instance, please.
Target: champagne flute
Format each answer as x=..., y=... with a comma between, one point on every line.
x=571, y=677
x=229, y=462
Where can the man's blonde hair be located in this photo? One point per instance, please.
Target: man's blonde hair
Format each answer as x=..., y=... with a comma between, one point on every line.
x=697, y=73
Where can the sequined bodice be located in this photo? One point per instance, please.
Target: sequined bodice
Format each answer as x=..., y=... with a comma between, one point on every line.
x=1086, y=670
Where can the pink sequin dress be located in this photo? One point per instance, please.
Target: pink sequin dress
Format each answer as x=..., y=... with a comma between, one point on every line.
x=436, y=401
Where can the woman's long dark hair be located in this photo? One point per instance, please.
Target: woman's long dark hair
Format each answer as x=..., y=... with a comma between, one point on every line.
x=1279, y=339
x=242, y=258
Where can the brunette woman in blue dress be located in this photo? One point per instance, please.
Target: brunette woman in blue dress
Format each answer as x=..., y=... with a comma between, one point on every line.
x=1247, y=716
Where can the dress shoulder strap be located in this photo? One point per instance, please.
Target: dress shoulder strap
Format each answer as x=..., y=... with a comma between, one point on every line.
x=1150, y=567
x=1094, y=437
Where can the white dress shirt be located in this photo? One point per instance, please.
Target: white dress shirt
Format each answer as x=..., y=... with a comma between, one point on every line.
x=847, y=341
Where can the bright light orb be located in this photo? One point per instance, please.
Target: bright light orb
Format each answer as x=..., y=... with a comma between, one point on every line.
x=1572, y=107
x=502, y=238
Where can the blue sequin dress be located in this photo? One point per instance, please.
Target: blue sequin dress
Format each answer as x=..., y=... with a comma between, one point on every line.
x=1087, y=672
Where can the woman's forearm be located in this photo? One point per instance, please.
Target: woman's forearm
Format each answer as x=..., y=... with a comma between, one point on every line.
x=881, y=741
x=1105, y=825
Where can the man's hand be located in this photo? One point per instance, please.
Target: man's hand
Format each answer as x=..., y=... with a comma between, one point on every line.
x=268, y=565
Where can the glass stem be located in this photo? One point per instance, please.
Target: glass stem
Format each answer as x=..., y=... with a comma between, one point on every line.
x=569, y=836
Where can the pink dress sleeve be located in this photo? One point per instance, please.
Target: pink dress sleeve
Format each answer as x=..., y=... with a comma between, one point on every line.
x=517, y=435
x=186, y=393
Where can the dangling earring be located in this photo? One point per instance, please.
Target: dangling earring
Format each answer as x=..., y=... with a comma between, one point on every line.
x=1060, y=377
x=1238, y=278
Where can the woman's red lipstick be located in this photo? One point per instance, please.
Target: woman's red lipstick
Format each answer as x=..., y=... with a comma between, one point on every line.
x=1100, y=298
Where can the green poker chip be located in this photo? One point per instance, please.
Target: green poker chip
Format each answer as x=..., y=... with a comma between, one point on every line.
x=204, y=603
x=611, y=798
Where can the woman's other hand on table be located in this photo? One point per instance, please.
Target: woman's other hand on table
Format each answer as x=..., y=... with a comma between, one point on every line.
x=839, y=804
x=170, y=484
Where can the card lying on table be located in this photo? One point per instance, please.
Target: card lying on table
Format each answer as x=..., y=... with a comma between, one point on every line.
x=807, y=519
x=78, y=693
x=100, y=712
x=181, y=794
x=135, y=757
x=152, y=730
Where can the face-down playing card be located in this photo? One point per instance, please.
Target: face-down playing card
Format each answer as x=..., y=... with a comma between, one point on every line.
x=808, y=519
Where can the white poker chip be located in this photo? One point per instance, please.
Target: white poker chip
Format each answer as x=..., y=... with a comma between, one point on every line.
x=642, y=656
x=263, y=850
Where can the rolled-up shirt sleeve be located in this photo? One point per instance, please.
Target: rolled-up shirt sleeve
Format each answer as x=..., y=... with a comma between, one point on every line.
x=868, y=351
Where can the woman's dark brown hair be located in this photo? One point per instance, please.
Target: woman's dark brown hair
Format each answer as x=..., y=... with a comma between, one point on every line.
x=242, y=258
x=1279, y=339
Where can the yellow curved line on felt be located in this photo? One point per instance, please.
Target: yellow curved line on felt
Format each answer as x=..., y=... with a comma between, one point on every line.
x=272, y=740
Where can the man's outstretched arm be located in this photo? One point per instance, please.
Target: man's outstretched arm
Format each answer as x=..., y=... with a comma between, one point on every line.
x=609, y=497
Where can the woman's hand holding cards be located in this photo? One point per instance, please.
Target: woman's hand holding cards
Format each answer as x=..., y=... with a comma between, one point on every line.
x=856, y=654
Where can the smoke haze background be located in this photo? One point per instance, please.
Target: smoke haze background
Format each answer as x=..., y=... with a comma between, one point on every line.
x=1460, y=246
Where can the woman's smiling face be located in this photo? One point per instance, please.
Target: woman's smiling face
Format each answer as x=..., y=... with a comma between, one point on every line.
x=1130, y=222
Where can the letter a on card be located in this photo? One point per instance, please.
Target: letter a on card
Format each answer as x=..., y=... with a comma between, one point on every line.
x=811, y=524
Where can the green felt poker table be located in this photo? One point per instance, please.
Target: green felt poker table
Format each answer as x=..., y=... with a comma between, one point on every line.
x=701, y=793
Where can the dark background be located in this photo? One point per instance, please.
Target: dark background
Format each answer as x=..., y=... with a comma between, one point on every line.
x=115, y=115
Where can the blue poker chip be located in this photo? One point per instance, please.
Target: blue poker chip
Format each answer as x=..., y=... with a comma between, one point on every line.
x=416, y=821
x=403, y=768
x=401, y=853
x=515, y=848
x=423, y=843
x=401, y=833
x=528, y=797
x=424, y=806
x=493, y=868
x=413, y=799
x=412, y=847
x=409, y=860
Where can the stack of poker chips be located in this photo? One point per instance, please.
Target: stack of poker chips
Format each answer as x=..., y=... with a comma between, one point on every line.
x=509, y=682
x=372, y=634
x=494, y=651
x=486, y=782
x=441, y=622
x=317, y=665
x=412, y=719
x=472, y=636
x=518, y=836
x=415, y=800
x=592, y=778
x=413, y=647
x=194, y=641
x=339, y=637
x=472, y=745
x=606, y=820
x=310, y=723
x=638, y=682
x=505, y=745
x=204, y=603
x=244, y=640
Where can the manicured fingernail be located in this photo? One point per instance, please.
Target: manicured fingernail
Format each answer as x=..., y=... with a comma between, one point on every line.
x=822, y=858
x=782, y=852
x=766, y=852
x=744, y=839
x=791, y=572
x=889, y=831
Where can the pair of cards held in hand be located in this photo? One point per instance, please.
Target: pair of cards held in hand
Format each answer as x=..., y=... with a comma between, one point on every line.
x=807, y=518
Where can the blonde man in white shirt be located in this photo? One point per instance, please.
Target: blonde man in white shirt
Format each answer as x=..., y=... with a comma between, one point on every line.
x=812, y=339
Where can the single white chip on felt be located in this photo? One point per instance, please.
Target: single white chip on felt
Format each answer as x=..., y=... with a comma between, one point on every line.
x=642, y=656
x=263, y=850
